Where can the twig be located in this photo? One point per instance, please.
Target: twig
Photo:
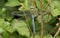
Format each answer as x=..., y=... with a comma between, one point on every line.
x=57, y=33
x=41, y=20
x=58, y=29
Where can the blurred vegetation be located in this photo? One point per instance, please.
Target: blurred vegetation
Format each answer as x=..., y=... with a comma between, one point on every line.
x=16, y=20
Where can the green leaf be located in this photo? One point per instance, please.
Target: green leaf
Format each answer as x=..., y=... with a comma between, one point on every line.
x=8, y=16
x=56, y=4
x=38, y=4
x=55, y=8
x=12, y=3
x=21, y=27
x=5, y=25
x=56, y=12
x=36, y=36
x=45, y=18
x=22, y=7
x=5, y=34
x=24, y=31
x=8, y=27
x=1, y=30
x=2, y=11
x=1, y=22
x=18, y=23
x=47, y=36
x=26, y=4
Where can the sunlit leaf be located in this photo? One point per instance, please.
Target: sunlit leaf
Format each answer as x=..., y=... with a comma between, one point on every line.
x=55, y=8
x=21, y=27
x=12, y=3
x=1, y=22
x=18, y=23
x=8, y=27
x=38, y=5
x=26, y=4
x=1, y=30
x=23, y=31
x=22, y=7
x=56, y=12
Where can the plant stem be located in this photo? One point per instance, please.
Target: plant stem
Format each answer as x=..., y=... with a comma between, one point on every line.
x=41, y=23
x=49, y=2
x=41, y=20
x=58, y=29
x=57, y=33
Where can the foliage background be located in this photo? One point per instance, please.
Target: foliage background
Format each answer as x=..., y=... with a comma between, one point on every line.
x=16, y=20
